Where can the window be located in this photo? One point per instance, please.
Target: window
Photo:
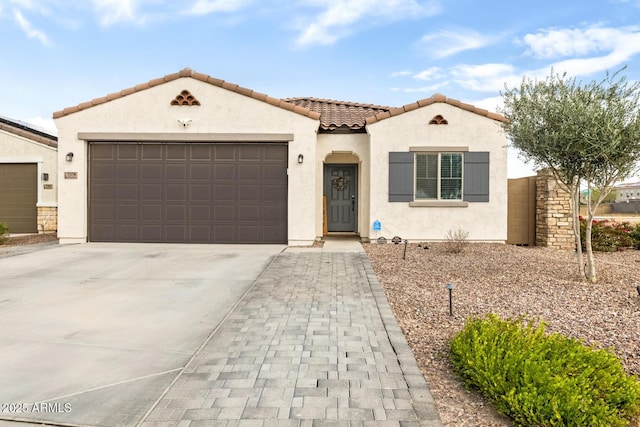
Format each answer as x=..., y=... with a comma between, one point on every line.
x=438, y=176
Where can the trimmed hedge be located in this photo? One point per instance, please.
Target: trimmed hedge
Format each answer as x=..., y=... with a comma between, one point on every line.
x=540, y=379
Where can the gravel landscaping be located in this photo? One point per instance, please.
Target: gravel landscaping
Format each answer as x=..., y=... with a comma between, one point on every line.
x=510, y=281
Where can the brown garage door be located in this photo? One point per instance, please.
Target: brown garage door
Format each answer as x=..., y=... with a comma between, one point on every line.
x=188, y=192
x=19, y=196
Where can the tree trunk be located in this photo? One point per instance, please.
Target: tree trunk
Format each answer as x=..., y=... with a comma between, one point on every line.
x=591, y=267
x=575, y=202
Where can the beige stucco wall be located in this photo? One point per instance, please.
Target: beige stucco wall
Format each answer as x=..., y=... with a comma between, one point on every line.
x=483, y=221
x=350, y=149
x=221, y=111
x=18, y=149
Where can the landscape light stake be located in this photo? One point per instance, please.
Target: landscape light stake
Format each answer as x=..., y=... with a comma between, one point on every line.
x=404, y=256
x=450, y=287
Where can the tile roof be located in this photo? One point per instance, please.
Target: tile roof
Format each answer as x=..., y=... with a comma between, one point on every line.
x=428, y=101
x=188, y=72
x=333, y=115
x=28, y=131
x=339, y=114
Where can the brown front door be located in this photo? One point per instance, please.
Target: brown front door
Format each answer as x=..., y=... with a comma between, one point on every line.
x=19, y=196
x=188, y=192
x=341, y=190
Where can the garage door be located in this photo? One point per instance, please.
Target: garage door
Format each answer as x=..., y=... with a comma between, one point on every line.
x=19, y=196
x=188, y=193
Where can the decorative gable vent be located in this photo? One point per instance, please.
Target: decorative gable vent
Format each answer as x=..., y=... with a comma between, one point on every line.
x=185, y=98
x=438, y=120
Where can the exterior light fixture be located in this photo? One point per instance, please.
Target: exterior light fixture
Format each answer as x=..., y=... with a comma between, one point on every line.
x=69, y=156
x=300, y=158
x=45, y=176
x=450, y=287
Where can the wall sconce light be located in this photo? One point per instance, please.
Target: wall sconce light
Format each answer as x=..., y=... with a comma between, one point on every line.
x=300, y=158
x=45, y=176
x=69, y=157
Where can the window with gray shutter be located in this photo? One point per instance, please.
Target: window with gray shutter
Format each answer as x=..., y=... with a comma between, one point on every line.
x=476, y=177
x=403, y=180
x=400, y=177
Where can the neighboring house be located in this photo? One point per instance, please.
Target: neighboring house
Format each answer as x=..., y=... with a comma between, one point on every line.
x=627, y=192
x=191, y=158
x=28, y=178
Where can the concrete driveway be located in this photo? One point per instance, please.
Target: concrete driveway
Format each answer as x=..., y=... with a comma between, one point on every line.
x=93, y=334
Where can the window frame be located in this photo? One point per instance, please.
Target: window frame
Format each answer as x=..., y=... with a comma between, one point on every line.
x=439, y=153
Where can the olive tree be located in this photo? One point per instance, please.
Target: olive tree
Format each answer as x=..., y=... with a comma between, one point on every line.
x=586, y=134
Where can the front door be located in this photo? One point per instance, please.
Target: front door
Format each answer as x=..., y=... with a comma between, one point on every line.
x=341, y=190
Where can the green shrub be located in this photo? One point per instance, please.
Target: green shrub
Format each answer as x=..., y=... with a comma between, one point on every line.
x=4, y=232
x=635, y=235
x=608, y=236
x=543, y=380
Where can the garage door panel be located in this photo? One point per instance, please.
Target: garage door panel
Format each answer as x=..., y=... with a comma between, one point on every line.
x=224, y=172
x=19, y=196
x=176, y=233
x=188, y=192
x=201, y=152
x=176, y=213
x=127, y=171
x=176, y=192
x=152, y=171
x=176, y=171
x=200, y=213
x=152, y=233
x=224, y=212
x=152, y=152
x=103, y=212
x=225, y=152
x=151, y=213
x=127, y=212
x=127, y=192
x=127, y=233
x=249, y=172
x=150, y=193
x=249, y=193
x=250, y=153
x=277, y=153
x=127, y=152
x=177, y=152
x=103, y=152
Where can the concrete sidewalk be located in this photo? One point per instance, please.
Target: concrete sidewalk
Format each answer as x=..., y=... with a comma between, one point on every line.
x=313, y=343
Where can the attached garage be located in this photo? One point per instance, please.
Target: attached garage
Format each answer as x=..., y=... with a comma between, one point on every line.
x=188, y=192
x=19, y=196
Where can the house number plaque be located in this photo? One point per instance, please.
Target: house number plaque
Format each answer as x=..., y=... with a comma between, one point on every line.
x=71, y=175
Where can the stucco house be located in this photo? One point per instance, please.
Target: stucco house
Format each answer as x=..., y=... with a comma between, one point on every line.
x=190, y=158
x=28, y=178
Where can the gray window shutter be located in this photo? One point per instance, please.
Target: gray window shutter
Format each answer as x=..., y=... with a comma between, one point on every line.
x=400, y=177
x=476, y=177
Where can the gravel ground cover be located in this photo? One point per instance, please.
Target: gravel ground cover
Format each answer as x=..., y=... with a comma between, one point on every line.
x=510, y=281
x=28, y=239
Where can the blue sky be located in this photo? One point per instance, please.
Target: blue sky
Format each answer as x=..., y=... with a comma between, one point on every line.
x=58, y=53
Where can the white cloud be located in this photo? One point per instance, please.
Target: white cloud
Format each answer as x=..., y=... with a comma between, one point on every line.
x=342, y=17
x=401, y=74
x=576, y=42
x=449, y=42
x=485, y=77
x=430, y=74
x=620, y=43
x=28, y=29
x=204, y=7
x=116, y=11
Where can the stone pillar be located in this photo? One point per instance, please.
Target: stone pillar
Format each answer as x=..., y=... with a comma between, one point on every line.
x=554, y=219
x=47, y=219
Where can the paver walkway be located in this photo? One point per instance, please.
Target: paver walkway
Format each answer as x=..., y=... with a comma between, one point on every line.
x=313, y=343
